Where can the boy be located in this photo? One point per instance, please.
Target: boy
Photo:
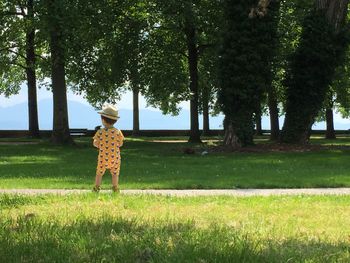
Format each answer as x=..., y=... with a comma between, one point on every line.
x=108, y=140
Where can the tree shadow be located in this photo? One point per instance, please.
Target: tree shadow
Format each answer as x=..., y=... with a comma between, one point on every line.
x=17, y=201
x=106, y=239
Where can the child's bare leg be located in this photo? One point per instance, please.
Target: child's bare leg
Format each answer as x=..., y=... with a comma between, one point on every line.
x=98, y=179
x=115, y=179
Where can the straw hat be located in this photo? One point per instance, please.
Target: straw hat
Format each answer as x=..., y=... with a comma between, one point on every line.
x=109, y=111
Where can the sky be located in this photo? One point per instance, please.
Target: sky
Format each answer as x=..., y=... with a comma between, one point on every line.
x=124, y=103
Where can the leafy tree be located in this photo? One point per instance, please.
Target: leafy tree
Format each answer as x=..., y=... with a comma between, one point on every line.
x=337, y=98
x=143, y=46
x=291, y=15
x=20, y=50
x=312, y=66
x=132, y=49
x=58, y=17
x=111, y=47
x=89, y=69
x=208, y=84
x=182, y=32
x=245, y=67
x=341, y=88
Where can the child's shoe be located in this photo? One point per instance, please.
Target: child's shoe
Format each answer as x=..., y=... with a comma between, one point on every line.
x=115, y=189
x=96, y=189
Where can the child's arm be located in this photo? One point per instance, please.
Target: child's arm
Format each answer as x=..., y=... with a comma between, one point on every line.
x=120, y=139
x=96, y=140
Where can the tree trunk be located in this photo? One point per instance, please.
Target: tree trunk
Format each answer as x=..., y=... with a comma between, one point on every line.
x=307, y=87
x=258, y=123
x=31, y=75
x=273, y=110
x=330, y=133
x=136, y=118
x=60, y=133
x=193, y=71
x=336, y=11
x=242, y=60
x=230, y=138
x=206, y=128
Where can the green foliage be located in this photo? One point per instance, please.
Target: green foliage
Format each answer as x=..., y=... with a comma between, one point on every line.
x=292, y=14
x=310, y=73
x=89, y=30
x=166, y=63
x=11, y=78
x=12, y=47
x=208, y=70
x=339, y=93
x=14, y=23
x=245, y=67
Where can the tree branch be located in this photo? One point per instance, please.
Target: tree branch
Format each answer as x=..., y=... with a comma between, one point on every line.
x=11, y=13
x=18, y=64
x=9, y=49
x=17, y=53
x=40, y=56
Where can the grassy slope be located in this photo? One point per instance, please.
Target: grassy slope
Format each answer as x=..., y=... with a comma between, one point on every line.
x=147, y=164
x=94, y=228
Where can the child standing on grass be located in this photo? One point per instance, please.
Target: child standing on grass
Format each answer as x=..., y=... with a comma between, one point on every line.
x=108, y=140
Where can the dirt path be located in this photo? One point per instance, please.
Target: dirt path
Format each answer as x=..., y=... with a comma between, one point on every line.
x=213, y=192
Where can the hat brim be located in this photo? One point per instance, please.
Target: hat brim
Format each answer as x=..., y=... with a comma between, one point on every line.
x=108, y=116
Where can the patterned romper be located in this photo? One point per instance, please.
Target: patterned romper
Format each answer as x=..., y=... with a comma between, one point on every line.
x=108, y=142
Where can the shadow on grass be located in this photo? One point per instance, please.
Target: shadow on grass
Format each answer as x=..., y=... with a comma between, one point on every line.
x=16, y=201
x=106, y=239
x=160, y=165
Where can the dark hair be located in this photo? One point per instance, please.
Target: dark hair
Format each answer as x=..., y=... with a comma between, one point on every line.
x=108, y=120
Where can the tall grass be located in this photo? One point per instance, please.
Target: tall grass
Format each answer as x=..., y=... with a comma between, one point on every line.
x=107, y=228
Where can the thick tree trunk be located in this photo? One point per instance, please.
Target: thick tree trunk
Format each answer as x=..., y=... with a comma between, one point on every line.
x=60, y=133
x=330, y=133
x=336, y=11
x=305, y=97
x=230, y=138
x=193, y=71
x=206, y=128
x=31, y=75
x=245, y=60
x=273, y=110
x=136, y=118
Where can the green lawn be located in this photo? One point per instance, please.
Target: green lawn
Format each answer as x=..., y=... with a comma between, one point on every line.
x=119, y=228
x=157, y=164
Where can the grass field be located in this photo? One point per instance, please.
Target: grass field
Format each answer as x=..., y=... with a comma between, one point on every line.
x=120, y=228
x=157, y=163
x=109, y=228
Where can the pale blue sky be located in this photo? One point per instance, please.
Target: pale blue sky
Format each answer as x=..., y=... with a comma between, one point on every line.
x=124, y=103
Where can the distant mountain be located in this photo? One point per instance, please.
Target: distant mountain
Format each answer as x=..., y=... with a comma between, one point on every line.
x=85, y=116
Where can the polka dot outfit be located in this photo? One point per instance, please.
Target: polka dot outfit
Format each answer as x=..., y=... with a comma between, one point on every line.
x=108, y=142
